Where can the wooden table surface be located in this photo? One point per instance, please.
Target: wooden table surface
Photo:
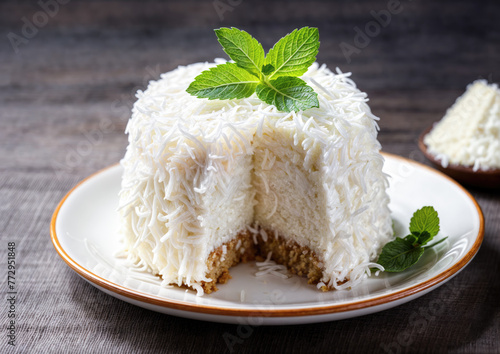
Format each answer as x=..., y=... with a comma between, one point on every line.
x=80, y=67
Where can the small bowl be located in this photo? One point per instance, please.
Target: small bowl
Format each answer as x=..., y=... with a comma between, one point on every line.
x=464, y=174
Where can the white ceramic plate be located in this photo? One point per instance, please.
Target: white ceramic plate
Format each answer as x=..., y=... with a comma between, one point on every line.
x=84, y=232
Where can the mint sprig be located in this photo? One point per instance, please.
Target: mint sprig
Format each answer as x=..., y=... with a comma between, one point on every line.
x=272, y=77
x=402, y=253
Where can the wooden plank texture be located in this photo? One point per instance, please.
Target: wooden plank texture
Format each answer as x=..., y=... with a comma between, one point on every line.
x=79, y=73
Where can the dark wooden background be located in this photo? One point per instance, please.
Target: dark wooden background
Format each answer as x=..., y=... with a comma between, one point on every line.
x=65, y=97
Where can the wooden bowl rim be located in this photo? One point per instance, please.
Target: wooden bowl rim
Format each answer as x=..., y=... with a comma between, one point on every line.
x=458, y=169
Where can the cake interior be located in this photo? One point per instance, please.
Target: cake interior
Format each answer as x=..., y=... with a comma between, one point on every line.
x=289, y=211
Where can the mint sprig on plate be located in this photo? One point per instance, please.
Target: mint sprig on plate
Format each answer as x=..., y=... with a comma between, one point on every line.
x=274, y=77
x=402, y=253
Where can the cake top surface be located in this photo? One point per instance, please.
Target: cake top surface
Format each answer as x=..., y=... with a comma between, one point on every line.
x=165, y=111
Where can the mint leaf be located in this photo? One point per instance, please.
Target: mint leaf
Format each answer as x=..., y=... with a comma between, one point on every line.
x=402, y=253
x=288, y=94
x=425, y=219
x=399, y=255
x=293, y=54
x=245, y=50
x=224, y=81
x=267, y=69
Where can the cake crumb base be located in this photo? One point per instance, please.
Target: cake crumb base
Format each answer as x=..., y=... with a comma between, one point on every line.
x=299, y=260
x=240, y=249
